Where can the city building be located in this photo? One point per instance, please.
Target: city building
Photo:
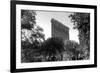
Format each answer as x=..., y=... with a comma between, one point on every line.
x=59, y=30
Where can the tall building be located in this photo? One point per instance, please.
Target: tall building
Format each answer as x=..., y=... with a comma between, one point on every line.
x=59, y=30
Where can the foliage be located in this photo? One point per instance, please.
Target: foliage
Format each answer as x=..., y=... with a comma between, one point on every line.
x=52, y=47
x=71, y=46
x=27, y=19
x=72, y=49
x=31, y=35
x=82, y=23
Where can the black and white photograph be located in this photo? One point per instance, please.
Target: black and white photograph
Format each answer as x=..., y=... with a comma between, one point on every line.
x=48, y=36
x=52, y=36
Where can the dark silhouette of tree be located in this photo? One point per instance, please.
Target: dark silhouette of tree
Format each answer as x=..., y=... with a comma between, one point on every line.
x=52, y=47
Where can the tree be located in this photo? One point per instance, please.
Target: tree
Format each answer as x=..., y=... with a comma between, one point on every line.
x=31, y=35
x=52, y=47
x=28, y=19
x=82, y=23
x=72, y=49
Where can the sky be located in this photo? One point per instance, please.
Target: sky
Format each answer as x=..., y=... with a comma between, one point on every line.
x=43, y=19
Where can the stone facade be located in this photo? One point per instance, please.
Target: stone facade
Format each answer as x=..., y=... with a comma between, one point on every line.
x=59, y=30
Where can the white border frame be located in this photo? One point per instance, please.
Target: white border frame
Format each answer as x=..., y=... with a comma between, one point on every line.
x=20, y=65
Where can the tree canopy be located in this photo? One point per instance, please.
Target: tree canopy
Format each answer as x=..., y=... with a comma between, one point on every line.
x=82, y=23
x=31, y=35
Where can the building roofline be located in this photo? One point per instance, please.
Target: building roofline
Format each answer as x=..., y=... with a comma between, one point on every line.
x=59, y=24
